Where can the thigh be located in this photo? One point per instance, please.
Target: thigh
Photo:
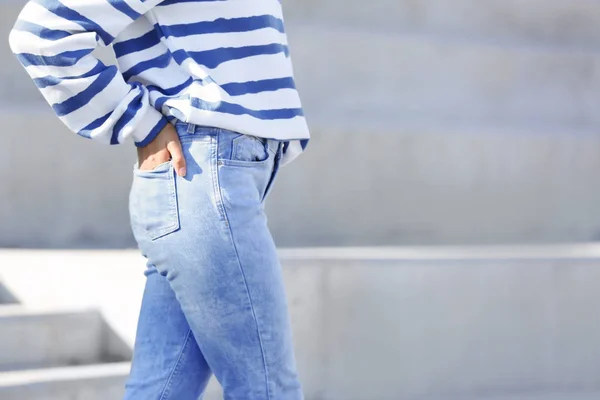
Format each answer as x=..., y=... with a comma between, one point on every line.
x=167, y=363
x=221, y=262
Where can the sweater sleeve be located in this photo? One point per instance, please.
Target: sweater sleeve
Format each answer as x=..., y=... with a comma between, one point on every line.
x=54, y=40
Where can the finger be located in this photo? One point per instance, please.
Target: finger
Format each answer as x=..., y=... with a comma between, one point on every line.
x=174, y=148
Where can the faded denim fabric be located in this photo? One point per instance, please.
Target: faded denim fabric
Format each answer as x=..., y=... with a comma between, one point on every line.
x=214, y=300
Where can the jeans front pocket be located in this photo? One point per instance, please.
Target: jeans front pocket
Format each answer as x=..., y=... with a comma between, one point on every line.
x=242, y=150
x=153, y=202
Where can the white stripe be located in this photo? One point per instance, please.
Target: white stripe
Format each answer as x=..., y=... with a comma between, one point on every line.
x=253, y=68
x=131, y=60
x=203, y=42
x=26, y=42
x=102, y=13
x=37, y=14
x=283, y=98
x=191, y=12
x=82, y=66
x=163, y=78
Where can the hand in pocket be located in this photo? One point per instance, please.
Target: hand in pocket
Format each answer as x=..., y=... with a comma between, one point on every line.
x=165, y=147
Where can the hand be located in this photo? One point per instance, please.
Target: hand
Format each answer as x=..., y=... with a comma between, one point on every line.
x=165, y=146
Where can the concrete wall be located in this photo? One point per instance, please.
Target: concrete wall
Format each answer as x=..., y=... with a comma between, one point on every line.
x=412, y=324
x=470, y=123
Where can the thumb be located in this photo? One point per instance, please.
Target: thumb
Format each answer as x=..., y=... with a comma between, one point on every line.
x=174, y=148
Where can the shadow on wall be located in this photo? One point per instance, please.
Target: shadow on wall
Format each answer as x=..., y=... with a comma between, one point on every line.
x=6, y=297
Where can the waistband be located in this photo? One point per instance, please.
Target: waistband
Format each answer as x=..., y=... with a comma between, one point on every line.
x=274, y=145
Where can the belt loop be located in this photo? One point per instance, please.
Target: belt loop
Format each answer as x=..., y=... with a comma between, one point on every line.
x=191, y=128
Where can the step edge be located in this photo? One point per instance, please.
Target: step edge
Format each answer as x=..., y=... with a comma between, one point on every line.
x=61, y=374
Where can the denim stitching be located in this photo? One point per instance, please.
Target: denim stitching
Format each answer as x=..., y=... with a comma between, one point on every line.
x=215, y=175
x=173, y=211
x=260, y=341
x=178, y=363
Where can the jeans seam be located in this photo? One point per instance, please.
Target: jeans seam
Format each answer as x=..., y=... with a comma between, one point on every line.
x=180, y=358
x=214, y=164
x=239, y=262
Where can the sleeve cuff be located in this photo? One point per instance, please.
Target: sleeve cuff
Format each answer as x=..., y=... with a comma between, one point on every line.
x=149, y=127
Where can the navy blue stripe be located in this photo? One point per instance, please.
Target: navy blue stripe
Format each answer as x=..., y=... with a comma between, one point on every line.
x=223, y=25
x=125, y=9
x=252, y=87
x=132, y=108
x=66, y=59
x=169, y=92
x=304, y=143
x=83, y=98
x=172, y=90
x=236, y=109
x=153, y=133
x=216, y=57
x=286, y=144
x=180, y=56
x=41, y=31
x=143, y=42
x=52, y=80
x=160, y=102
x=161, y=61
x=86, y=132
x=57, y=8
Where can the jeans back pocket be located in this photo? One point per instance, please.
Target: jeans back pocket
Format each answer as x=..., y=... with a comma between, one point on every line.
x=153, y=202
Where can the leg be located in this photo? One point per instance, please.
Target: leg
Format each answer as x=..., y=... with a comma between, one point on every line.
x=220, y=259
x=167, y=363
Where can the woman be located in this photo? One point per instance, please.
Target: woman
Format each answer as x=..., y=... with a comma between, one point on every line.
x=205, y=89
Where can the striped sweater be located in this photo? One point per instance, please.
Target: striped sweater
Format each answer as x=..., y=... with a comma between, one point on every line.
x=221, y=63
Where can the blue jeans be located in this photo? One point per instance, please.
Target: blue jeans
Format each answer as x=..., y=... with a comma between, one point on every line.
x=214, y=300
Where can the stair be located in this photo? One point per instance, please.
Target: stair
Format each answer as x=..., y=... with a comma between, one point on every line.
x=378, y=74
x=42, y=339
x=538, y=22
x=59, y=355
x=90, y=382
x=440, y=323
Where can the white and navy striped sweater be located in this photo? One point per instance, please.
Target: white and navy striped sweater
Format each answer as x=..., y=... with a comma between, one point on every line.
x=221, y=63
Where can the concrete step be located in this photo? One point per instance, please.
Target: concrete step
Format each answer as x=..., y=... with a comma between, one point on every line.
x=38, y=339
x=440, y=323
x=400, y=182
x=348, y=72
x=548, y=22
x=419, y=76
x=381, y=75
x=6, y=296
x=542, y=395
x=93, y=382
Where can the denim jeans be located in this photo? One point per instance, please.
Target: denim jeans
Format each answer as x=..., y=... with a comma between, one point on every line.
x=214, y=301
